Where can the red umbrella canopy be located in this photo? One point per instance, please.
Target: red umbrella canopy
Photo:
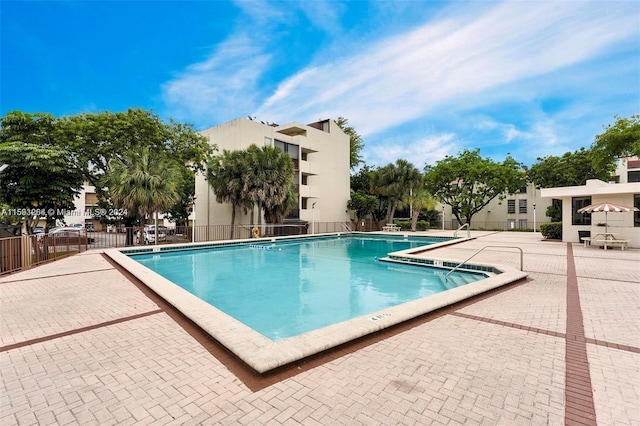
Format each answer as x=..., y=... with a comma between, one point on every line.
x=606, y=207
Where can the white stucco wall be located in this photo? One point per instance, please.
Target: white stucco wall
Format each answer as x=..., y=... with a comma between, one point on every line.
x=327, y=167
x=618, y=223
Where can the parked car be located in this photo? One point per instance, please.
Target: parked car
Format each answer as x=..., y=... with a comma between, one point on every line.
x=38, y=230
x=68, y=235
x=149, y=234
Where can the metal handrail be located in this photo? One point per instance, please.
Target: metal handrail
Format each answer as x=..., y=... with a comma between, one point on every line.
x=470, y=257
x=455, y=234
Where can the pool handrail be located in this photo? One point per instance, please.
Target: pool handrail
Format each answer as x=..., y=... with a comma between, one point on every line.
x=470, y=257
x=455, y=234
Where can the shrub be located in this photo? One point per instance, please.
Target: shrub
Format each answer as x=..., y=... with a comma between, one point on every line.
x=551, y=230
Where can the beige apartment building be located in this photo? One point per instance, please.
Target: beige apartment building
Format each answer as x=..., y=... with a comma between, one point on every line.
x=524, y=209
x=520, y=210
x=320, y=153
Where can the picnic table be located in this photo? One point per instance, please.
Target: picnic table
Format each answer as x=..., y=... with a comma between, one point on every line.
x=606, y=239
x=391, y=227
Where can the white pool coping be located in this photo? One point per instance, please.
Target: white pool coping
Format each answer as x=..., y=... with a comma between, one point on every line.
x=263, y=354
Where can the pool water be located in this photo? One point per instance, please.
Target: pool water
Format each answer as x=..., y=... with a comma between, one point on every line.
x=283, y=289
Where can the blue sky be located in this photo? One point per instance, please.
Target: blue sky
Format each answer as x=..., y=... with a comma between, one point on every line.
x=418, y=80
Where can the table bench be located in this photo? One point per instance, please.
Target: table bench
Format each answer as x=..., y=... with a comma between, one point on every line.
x=390, y=227
x=605, y=243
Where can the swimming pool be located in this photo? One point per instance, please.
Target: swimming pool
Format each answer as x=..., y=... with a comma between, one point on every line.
x=283, y=289
x=263, y=354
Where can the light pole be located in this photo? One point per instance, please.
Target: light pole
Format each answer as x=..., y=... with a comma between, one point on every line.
x=193, y=218
x=443, y=217
x=534, y=217
x=313, y=218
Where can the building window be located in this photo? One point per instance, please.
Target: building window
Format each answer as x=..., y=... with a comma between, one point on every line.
x=580, y=218
x=522, y=223
x=305, y=179
x=511, y=224
x=633, y=176
x=267, y=141
x=511, y=206
x=523, y=190
x=636, y=215
x=291, y=149
x=522, y=206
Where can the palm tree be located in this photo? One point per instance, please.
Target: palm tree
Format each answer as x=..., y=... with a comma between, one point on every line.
x=417, y=199
x=268, y=182
x=143, y=182
x=278, y=213
x=393, y=182
x=226, y=177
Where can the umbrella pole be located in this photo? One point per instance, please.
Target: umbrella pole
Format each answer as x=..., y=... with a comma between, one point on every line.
x=606, y=222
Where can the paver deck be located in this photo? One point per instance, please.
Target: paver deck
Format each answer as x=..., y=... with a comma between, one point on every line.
x=80, y=343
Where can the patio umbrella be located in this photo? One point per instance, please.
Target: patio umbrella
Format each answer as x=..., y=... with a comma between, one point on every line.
x=606, y=208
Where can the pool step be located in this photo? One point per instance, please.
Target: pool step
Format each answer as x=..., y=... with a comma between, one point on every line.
x=453, y=281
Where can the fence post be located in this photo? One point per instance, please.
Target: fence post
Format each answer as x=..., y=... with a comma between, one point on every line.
x=26, y=250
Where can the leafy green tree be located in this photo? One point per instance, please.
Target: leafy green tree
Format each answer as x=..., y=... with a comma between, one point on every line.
x=41, y=177
x=267, y=180
x=469, y=182
x=97, y=138
x=225, y=175
x=361, y=180
x=393, y=182
x=362, y=204
x=572, y=169
x=90, y=141
x=180, y=211
x=143, y=182
x=622, y=139
x=356, y=143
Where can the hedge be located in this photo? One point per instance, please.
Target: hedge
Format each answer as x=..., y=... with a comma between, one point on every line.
x=551, y=230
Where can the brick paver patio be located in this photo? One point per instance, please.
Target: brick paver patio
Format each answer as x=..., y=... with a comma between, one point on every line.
x=80, y=343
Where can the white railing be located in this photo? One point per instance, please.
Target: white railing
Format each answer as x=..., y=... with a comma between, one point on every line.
x=455, y=234
x=470, y=257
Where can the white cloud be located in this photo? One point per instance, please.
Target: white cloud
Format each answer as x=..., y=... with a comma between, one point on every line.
x=228, y=83
x=222, y=86
x=427, y=150
x=509, y=131
x=452, y=62
x=461, y=72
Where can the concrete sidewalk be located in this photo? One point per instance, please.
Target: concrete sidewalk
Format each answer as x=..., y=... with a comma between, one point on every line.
x=80, y=343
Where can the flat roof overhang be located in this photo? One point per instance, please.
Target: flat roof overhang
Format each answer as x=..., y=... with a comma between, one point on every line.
x=593, y=187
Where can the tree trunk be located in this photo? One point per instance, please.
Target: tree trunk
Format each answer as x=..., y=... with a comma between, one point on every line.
x=128, y=224
x=415, y=212
x=391, y=211
x=233, y=220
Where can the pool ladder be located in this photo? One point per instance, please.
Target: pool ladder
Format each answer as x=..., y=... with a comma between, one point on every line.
x=473, y=255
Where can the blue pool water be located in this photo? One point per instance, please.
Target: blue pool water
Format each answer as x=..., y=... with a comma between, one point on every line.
x=287, y=288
